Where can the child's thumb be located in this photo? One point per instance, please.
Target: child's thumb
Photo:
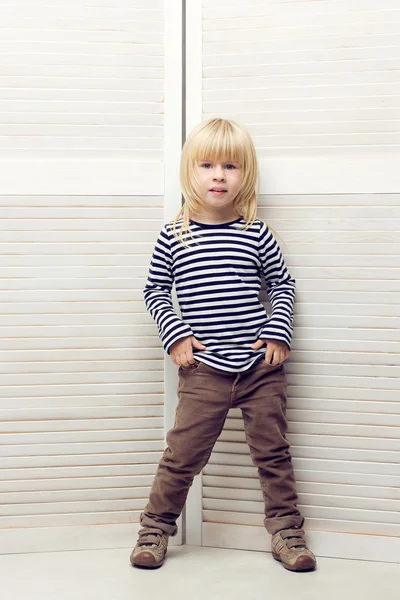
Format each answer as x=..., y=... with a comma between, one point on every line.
x=257, y=344
x=198, y=344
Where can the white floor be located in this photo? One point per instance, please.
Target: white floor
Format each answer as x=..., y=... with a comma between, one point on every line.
x=190, y=572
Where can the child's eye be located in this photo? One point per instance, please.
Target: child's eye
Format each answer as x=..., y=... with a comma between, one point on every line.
x=228, y=165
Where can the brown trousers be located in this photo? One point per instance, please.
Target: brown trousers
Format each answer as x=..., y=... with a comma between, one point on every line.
x=205, y=396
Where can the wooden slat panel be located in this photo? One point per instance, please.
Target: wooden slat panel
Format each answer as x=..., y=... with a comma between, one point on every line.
x=307, y=78
x=8, y=416
x=100, y=445
x=230, y=454
x=315, y=521
x=72, y=501
x=81, y=475
x=241, y=471
x=129, y=514
x=325, y=417
x=120, y=454
x=58, y=429
x=27, y=456
x=15, y=486
x=77, y=66
x=331, y=449
x=254, y=499
x=325, y=512
x=71, y=391
x=223, y=486
x=141, y=395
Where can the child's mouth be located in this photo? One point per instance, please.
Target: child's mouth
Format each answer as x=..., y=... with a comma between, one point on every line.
x=217, y=193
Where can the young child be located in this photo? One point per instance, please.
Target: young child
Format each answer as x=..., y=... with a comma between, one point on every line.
x=216, y=250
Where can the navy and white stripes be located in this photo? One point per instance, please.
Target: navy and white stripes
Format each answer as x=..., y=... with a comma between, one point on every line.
x=217, y=286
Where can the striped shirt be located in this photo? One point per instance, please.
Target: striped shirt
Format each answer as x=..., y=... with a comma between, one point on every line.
x=217, y=282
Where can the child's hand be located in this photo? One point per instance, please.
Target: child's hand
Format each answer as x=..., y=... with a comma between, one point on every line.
x=277, y=352
x=181, y=352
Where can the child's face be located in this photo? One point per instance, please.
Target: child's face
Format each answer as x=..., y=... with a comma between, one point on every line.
x=219, y=175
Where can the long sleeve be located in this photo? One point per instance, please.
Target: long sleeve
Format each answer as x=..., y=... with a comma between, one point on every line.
x=280, y=287
x=157, y=294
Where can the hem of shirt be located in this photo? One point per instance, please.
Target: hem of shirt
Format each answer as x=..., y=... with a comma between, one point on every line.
x=221, y=368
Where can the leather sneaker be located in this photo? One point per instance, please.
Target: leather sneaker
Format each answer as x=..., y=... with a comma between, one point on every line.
x=290, y=548
x=150, y=549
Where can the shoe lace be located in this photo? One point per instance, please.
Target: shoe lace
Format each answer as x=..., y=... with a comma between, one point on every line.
x=149, y=536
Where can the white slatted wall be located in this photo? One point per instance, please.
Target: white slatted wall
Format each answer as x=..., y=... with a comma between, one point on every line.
x=82, y=366
x=316, y=84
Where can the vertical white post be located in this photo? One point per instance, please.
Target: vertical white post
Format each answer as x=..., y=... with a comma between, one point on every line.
x=173, y=86
x=193, y=106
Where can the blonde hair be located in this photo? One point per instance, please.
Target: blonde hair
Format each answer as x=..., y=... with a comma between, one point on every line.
x=228, y=141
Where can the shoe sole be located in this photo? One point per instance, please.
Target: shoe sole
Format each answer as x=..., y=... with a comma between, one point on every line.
x=146, y=566
x=289, y=568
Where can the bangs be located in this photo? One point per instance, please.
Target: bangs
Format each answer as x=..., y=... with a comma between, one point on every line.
x=220, y=144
